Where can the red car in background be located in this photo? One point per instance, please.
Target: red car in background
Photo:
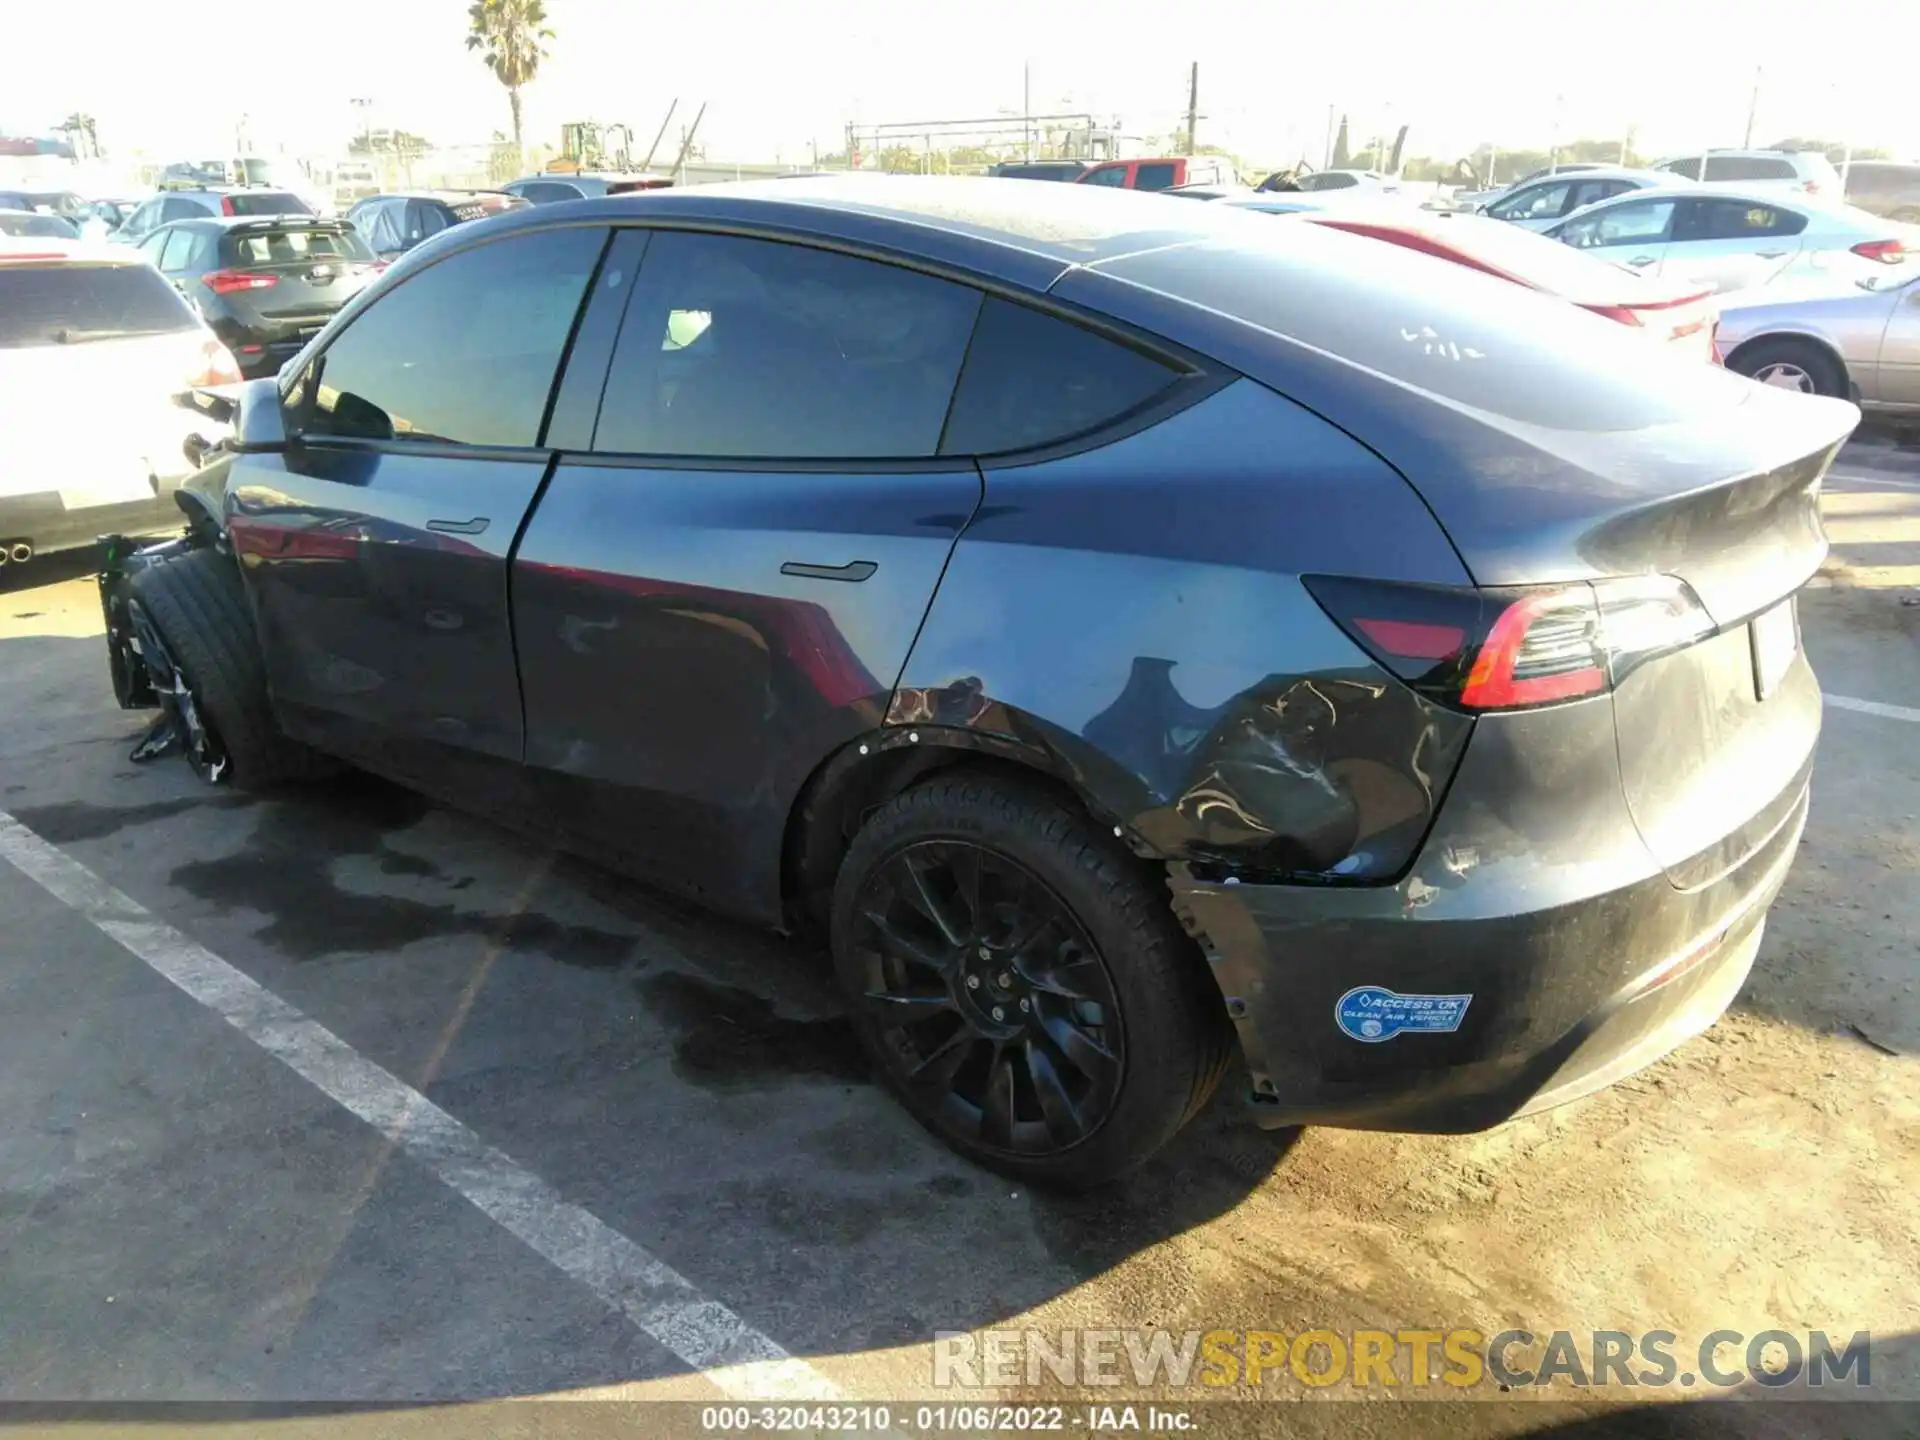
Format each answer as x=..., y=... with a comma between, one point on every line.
x=1679, y=313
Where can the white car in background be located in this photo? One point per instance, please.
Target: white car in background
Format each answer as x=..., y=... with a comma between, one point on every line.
x=1800, y=174
x=1538, y=204
x=94, y=345
x=1731, y=238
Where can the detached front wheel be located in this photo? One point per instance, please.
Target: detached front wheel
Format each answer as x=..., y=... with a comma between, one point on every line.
x=1021, y=984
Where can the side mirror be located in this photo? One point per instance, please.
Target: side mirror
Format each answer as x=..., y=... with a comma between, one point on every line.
x=252, y=408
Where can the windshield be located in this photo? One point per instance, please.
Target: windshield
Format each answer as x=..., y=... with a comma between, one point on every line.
x=295, y=246
x=71, y=304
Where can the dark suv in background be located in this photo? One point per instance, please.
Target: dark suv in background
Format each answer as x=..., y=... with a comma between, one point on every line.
x=586, y=185
x=393, y=224
x=264, y=286
x=1885, y=188
x=172, y=205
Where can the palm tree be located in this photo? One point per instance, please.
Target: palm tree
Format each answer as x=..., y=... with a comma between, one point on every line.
x=509, y=33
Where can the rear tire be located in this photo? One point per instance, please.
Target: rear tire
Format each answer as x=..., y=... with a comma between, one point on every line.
x=1792, y=365
x=1114, y=1035
x=197, y=604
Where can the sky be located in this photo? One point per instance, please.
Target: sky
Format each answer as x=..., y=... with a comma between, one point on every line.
x=778, y=78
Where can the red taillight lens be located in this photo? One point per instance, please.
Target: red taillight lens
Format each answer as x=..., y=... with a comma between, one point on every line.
x=1513, y=649
x=216, y=367
x=225, y=282
x=1889, y=252
x=226, y=205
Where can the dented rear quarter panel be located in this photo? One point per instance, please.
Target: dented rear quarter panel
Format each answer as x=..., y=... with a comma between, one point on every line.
x=1135, y=612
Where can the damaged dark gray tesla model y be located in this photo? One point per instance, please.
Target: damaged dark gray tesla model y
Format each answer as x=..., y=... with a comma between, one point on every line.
x=1130, y=632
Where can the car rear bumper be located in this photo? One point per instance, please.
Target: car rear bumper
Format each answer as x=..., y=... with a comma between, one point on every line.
x=1538, y=948
x=43, y=521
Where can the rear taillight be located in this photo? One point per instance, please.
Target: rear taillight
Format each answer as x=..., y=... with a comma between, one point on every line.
x=1889, y=252
x=226, y=205
x=1514, y=649
x=216, y=365
x=226, y=282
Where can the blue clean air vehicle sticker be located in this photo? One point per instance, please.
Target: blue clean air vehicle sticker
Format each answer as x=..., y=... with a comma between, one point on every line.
x=1372, y=1013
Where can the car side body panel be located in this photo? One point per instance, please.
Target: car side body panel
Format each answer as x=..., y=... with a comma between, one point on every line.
x=1160, y=650
x=694, y=641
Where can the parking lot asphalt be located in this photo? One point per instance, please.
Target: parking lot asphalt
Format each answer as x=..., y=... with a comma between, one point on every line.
x=339, y=1095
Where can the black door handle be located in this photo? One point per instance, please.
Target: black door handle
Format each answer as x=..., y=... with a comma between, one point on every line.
x=852, y=570
x=475, y=526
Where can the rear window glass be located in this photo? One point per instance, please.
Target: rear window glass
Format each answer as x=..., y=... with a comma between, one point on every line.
x=265, y=202
x=49, y=226
x=1748, y=167
x=1471, y=339
x=289, y=247
x=1031, y=379
x=73, y=304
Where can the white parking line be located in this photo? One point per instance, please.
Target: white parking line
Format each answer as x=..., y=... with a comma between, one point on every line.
x=1874, y=707
x=705, y=1334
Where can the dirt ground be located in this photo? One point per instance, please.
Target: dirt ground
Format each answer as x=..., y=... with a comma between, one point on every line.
x=691, y=1085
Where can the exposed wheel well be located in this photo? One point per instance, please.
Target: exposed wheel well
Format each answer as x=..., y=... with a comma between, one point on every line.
x=849, y=786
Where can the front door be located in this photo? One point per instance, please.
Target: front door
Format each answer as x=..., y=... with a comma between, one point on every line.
x=376, y=547
x=1898, y=382
x=1634, y=233
x=725, y=575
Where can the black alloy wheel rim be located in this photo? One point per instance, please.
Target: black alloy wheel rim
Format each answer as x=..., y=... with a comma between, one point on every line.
x=989, y=998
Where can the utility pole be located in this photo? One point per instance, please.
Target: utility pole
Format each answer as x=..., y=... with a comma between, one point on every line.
x=1753, y=104
x=1326, y=162
x=1026, y=107
x=1193, y=104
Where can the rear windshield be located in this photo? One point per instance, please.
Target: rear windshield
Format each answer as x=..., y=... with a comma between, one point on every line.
x=1529, y=258
x=1471, y=339
x=293, y=245
x=264, y=202
x=48, y=226
x=74, y=304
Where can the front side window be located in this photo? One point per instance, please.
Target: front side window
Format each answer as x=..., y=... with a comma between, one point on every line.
x=1689, y=167
x=1107, y=175
x=755, y=349
x=1539, y=203
x=465, y=351
x=1033, y=379
x=1643, y=222
x=1152, y=177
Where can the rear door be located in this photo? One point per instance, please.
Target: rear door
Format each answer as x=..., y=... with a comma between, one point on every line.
x=1733, y=242
x=725, y=574
x=1899, y=380
x=376, y=546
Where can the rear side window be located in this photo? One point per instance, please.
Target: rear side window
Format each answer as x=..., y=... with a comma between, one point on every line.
x=1734, y=220
x=1111, y=175
x=1032, y=379
x=264, y=202
x=72, y=304
x=1689, y=167
x=1749, y=167
x=755, y=349
x=291, y=246
x=548, y=192
x=465, y=351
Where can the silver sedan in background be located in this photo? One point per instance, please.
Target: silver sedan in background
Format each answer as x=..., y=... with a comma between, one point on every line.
x=1859, y=341
x=1731, y=238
